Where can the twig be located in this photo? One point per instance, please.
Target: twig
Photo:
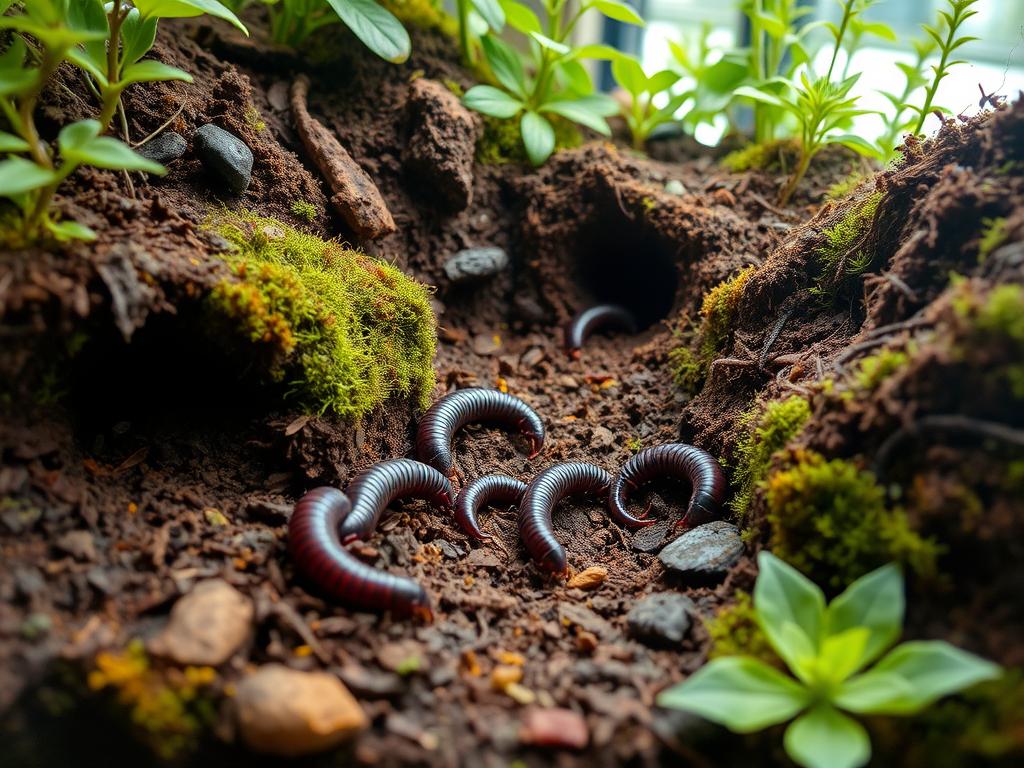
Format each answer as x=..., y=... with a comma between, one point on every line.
x=877, y=338
x=123, y=119
x=166, y=123
x=946, y=423
x=769, y=207
x=773, y=337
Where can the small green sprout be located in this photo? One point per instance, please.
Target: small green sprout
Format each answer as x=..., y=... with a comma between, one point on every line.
x=643, y=116
x=900, y=121
x=946, y=36
x=292, y=21
x=827, y=648
x=557, y=83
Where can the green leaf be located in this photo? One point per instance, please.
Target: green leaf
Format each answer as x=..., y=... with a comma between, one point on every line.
x=538, y=137
x=552, y=45
x=185, y=9
x=841, y=654
x=749, y=92
x=929, y=670
x=630, y=75
x=137, y=36
x=488, y=100
x=152, y=71
x=505, y=64
x=783, y=595
x=662, y=81
x=826, y=738
x=874, y=601
x=18, y=175
x=584, y=111
x=80, y=143
x=11, y=143
x=618, y=11
x=596, y=51
x=70, y=230
x=377, y=27
x=741, y=693
x=879, y=29
x=856, y=143
x=90, y=17
x=492, y=13
x=575, y=77
x=14, y=76
x=520, y=17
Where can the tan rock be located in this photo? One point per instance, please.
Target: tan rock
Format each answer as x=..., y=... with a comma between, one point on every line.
x=590, y=578
x=206, y=626
x=554, y=727
x=285, y=712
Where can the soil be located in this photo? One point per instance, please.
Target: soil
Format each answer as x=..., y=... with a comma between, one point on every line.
x=122, y=420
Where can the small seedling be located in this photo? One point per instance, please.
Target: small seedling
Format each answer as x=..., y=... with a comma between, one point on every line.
x=900, y=122
x=827, y=648
x=293, y=21
x=713, y=81
x=476, y=18
x=946, y=35
x=642, y=115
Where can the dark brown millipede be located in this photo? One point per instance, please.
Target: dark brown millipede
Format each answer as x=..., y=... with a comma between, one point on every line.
x=466, y=406
x=316, y=550
x=542, y=494
x=673, y=460
x=595, y=318
x=379, y=485
x=482, y=491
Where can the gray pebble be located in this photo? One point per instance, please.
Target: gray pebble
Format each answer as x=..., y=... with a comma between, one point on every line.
x=675, y=187
x=164, y=148
x=225, y=155
x=707, y=550
x=475, y=264
x=662, y=618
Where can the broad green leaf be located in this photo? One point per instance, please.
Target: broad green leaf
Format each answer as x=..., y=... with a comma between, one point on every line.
x=492, y=13
x=185, y=9
x=741, y=693
x=826, y=738
x=58, y=38
x=618, y=11
x=662, y=81
x=856, y=143
x=70, y=230
x=89, y=16
x=80, y=143
x=151, y=70
x=488, y=100
x=872, y=693
x=931, y=669
x=841, y=654
x=574, y=77
x=552, y=45
x=137, y=36
x=879, y=29
x=783, y=595
x=596, y=51
x=377, y=27
x=749, y=92
x=505, y=64
x=18, y=175
x=771, y=24
x=538, y=137
x=874, y=601
x=520, y=17
x=630, y=75
x=579, y=111
x=11, y=143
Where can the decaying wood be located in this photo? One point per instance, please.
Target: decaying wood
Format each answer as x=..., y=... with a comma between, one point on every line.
x=355, y=196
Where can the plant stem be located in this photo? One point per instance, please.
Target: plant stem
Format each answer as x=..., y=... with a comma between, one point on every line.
x=847, y=15
x=464, y=41
x=796, y=178
x=761, y=127
x=27, y=106
x=939, y=74
x=112, y=93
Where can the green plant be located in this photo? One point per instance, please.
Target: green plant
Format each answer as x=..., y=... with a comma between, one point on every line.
x=841, y=255
x=827, y=648
x=557, y=84
x=899, y=122
x=304, y=210
x=946, y=36
x=642, y=115
x=994, y=233
x=477, y=17
x=714, y=74
x=292, y=21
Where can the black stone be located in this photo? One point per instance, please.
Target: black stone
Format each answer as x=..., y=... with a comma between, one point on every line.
x=225, y=155
x=708, y=550
x=661, y=619
x=164, y=148
x=475, y=264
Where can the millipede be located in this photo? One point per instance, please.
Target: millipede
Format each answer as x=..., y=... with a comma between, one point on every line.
x=542, y=494
x=444, y=418
x=376, y=487
x=316, y=549
x=677, y=460
x=481, y=492
x=593, y=319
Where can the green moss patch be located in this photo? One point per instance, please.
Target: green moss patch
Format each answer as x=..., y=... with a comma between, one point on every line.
x=734, y=631
x=780, y=155
x=874, y=369
x=839, y=251
x=343, y=331
x=994, y=331
x=994, y=233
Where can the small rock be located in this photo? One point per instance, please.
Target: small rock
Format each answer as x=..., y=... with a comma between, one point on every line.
x=79, y=544
x=449, y=550
x=602, y=437
x=529, y=308
x=591, y=578
x=483, y=558
x=285, y=712
x=650, y=537
x=164, y=148
x=663, y=618
x=675, y=187
x=206, y=626
x=226, y=155
x=568, y=382
x=531, y=357
x=475, y=264
x=707, y=550
x=486, y=343
x=554, y=727
x=370, y=683
x=402, y=656
x=584, y=618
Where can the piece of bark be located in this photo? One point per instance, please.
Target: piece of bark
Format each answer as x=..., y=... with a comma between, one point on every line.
x=355, y=196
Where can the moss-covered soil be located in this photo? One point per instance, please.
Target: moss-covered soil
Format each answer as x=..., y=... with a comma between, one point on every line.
x=855, y=361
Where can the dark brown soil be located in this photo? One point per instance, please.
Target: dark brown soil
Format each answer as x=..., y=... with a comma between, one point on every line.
x=136, y=437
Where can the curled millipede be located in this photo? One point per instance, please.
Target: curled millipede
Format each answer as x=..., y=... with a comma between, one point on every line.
x=452, y=412
x=674, y=460
x=482, y=491
x=379, y=485
x=316, y=549
x=538, y=502
x=592, y=319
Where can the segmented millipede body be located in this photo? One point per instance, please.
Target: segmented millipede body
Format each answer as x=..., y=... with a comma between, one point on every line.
x=316, y=549
x=466, y=406
x=542, y=494
x=592, y=319
x=673, y=460
x=481, y=492
x=374, y=488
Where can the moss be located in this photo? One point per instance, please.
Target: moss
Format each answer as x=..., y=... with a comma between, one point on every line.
x=844, y=187
x=994, y=331
x=734, y=631
x=168, y=705
x=500, y=142
x=874, y=369
x=841, y=241
x=718, y=312
x=687, y=370
x=304, y=210
x=993, y=235
x=780, y=155
x=425, y=14
x=770, y=429
x=254, y=120
x=829, y=520
x=344, y=331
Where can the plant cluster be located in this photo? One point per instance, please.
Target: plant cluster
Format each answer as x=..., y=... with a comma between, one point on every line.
x=828, y=648
x=108, y=43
